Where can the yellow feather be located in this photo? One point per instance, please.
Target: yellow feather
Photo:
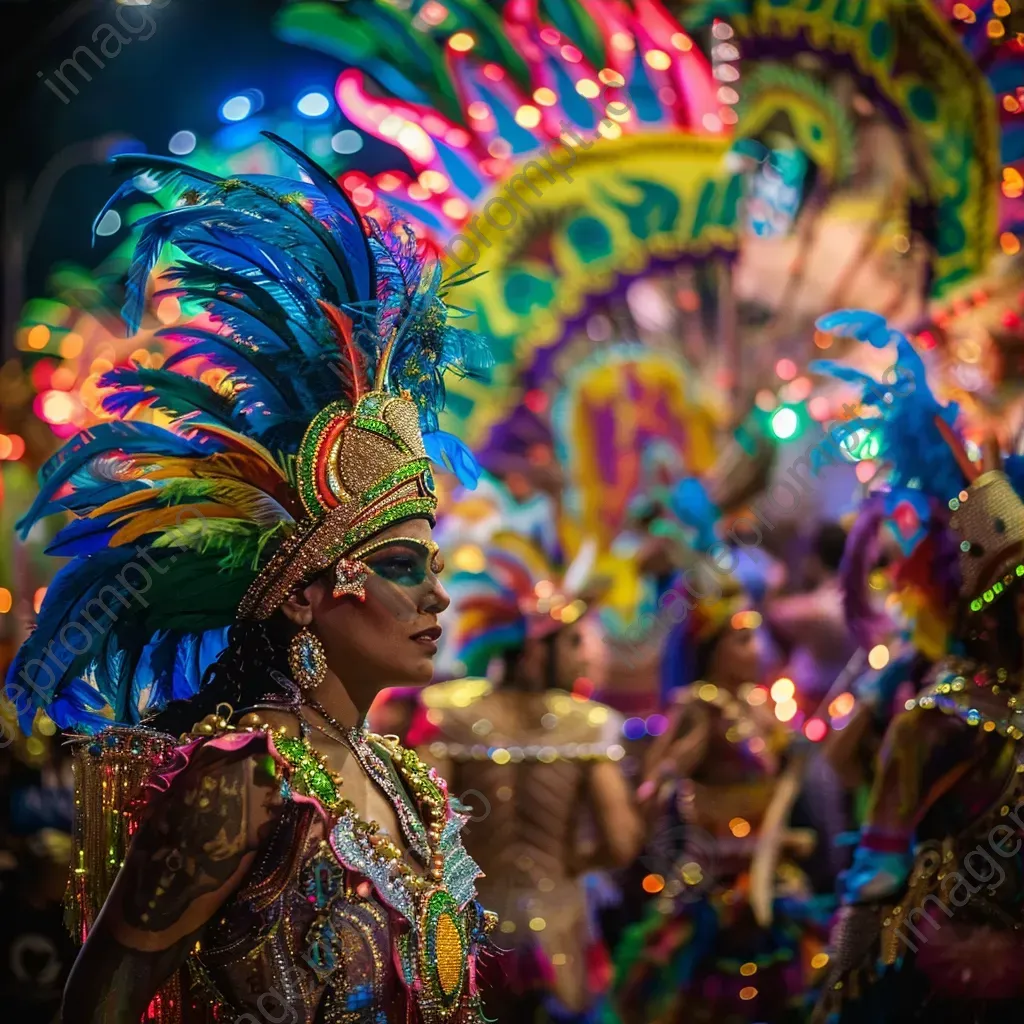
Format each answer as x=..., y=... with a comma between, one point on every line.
x=254, y=447
x=126, y=501
x=170, y=517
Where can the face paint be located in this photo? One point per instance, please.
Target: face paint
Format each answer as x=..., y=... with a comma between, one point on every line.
x=405, y=561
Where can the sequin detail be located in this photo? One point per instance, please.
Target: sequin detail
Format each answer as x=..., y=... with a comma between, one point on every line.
x=313, y=776
x=443, y=951
x=351, y=843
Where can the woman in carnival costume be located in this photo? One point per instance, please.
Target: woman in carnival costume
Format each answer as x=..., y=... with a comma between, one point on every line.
x=543, y=764
x=271, y=852
x=930, y=926
x=723, y=940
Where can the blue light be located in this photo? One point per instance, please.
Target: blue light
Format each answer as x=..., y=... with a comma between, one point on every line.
x=314, y=103
x=182, y=143
x=347, y=141
x=109, y=223
x=237, y=108
x=634, y=728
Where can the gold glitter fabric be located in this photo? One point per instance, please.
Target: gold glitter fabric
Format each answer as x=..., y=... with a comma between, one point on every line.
x=450, y=954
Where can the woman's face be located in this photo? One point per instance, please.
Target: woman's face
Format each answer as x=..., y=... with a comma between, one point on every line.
x=569, y=655
x=390, y=638
x=737, y=657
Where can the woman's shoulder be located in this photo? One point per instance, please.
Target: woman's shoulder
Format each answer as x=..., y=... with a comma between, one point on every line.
x=262, y=752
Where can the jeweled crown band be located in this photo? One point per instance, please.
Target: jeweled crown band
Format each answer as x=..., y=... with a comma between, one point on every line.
x=317, y=544
x=359, y=471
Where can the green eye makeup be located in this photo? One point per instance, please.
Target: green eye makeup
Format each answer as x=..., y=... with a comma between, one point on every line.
x=406, y=561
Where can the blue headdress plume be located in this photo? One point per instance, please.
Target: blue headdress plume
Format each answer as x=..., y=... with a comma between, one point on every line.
x=906, y=410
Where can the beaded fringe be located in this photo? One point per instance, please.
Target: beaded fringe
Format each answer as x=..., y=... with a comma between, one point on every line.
x=110, y=772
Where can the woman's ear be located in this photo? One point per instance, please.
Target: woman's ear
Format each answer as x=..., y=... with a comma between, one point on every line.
x=298, y=608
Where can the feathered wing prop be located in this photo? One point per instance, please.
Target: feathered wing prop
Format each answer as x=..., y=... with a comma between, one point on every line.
x=303, y=303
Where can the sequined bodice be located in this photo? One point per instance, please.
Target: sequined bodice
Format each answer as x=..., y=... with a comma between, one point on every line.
x=303, y=932
x=326, y=926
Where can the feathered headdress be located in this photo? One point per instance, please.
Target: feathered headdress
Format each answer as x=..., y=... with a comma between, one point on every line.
x=960, y=526
x=520, y=595
x=335, y=338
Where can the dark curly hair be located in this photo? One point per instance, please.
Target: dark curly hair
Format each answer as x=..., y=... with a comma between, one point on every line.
x=251, y=670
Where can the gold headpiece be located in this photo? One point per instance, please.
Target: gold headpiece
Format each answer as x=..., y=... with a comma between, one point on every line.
x=989, y=517
x=357, y=471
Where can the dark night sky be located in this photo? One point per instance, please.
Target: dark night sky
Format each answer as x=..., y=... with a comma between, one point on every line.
x=199, y=53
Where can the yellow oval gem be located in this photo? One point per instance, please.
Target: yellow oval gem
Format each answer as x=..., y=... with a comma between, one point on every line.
x=450, y=955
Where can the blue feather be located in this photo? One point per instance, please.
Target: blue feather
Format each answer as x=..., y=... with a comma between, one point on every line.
x=861, y=324
x=909, y=440
x=75, y=708
x=274, y=380
x=360, y=265
x=103, y=439
x=447, y=450
x=84, y=536
x=67, y=605
x=156, y=231
x=691, y=504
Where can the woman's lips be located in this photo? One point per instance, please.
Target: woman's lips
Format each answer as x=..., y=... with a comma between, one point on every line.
x=428, y=637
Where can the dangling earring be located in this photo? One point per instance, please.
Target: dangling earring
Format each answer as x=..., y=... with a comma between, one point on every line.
x=307, y=659
x=350, y=579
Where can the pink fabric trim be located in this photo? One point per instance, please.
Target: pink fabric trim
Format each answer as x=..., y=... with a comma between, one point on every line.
x=230, y=743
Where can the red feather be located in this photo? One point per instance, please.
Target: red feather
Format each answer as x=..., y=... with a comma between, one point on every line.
x=353, y=361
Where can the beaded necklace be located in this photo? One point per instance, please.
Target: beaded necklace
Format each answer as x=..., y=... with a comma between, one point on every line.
x=431, y=798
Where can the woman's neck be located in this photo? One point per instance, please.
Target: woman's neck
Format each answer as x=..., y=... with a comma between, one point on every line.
x=342, y=703
x=725, y=681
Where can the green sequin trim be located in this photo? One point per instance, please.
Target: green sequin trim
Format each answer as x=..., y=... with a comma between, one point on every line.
x=406, y=472
x=376, y=426
x=411, y=509
x=306, y=461
x=316, y=782
x=997, y=588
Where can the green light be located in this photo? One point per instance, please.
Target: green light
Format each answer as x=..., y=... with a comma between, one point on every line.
x=784, y=423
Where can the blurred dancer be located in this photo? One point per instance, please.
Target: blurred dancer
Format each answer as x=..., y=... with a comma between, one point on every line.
x=720, y=944
x=538, y=765
x=930, y=928
x=813, y=623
